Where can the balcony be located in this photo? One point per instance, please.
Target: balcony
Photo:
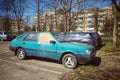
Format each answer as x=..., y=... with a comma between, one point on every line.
x=90, y=28
x=90, y=14
x=81, y=15
x=102, y=13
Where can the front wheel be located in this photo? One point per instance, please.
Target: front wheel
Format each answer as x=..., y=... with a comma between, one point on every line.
x=21, y=54
x=69, y=61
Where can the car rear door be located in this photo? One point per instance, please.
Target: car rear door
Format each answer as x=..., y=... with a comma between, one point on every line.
x=45, y=48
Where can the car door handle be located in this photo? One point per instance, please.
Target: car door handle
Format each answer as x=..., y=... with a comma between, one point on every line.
x=23, y=43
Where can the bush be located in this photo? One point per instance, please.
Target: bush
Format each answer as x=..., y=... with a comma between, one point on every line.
x=107, y=40
x=109, y=49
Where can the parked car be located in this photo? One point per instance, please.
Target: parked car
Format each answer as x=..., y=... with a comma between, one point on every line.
x=10, y=36
x=3, y=35
x=97, y=37
x=48, y=45
x=6, y=35
x=82, y=37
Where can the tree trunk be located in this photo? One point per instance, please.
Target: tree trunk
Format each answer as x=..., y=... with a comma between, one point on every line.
x=18, y=26
x=96, y=20
x=115, y=12
x=56, y=18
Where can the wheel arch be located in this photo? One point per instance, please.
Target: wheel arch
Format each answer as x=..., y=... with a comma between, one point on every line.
x=65, y=54
x=17, y=49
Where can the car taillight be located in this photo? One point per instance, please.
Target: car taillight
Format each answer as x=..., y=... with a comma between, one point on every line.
x=92, y=38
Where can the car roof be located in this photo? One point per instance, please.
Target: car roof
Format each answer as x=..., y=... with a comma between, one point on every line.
x=78, y=32
x=40, y=32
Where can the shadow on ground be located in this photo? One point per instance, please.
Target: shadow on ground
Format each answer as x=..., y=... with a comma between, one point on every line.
x=95, y=62
x=99, y=47
x=43, y=59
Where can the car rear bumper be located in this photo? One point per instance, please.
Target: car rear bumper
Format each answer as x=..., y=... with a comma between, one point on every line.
x=12, y=48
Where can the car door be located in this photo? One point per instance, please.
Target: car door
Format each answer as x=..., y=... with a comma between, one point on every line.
x=30, y=43
x=45, y=48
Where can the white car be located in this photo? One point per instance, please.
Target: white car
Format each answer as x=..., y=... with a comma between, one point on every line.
x=3, y=35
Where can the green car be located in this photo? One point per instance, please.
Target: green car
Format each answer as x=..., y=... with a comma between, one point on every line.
x=52, y=45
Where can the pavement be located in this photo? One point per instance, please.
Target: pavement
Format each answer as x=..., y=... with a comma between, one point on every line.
x=33, y=68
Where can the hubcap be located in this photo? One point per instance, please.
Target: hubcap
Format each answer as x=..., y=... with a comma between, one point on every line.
x=21, y=54
x=69, y=61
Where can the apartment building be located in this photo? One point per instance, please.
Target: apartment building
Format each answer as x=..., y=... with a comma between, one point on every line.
x=11, y=25
x=98, y=19
x=49, y=21
x=89, y=20
x=45, y=20
x=14, y=27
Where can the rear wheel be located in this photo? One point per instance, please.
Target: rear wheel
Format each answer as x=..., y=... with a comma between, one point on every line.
x=69, y=61
x=21, y=54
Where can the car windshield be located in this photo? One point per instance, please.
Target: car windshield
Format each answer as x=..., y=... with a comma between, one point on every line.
x=62, y=38
x=70, y=36
x=58, y=36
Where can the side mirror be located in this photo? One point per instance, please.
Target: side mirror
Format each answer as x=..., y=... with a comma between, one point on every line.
x=52, y=42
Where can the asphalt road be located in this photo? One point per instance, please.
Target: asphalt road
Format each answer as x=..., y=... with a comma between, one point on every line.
x=31, y=69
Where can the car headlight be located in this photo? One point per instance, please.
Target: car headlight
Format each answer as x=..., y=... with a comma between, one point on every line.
x=89, y=51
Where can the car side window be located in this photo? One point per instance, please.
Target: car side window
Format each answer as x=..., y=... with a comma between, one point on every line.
x=31, y=37
x=68, y=36
x=45, y=38
x=22, y=37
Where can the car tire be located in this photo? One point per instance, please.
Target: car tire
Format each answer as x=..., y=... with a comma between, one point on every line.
x=21, y=54
x=69, y=61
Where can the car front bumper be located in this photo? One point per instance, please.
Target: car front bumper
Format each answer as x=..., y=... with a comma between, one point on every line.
x=83, y=60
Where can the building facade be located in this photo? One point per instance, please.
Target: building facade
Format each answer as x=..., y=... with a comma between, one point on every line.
x=95, y=20
x=49, y=21
x=98, y=19
x=10, y=25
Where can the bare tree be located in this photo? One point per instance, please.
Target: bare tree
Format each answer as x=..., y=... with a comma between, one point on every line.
x=18, y=8
x=38, y=14
x=6, y=14
x=65, y=8
x=56, y=6
x=108, y=26
x=96, y=20
x=71, y=11
x=36, y=7
x=116, y=12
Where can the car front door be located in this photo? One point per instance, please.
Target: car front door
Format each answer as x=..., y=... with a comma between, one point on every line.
x=30, y=43
x=46, y=48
